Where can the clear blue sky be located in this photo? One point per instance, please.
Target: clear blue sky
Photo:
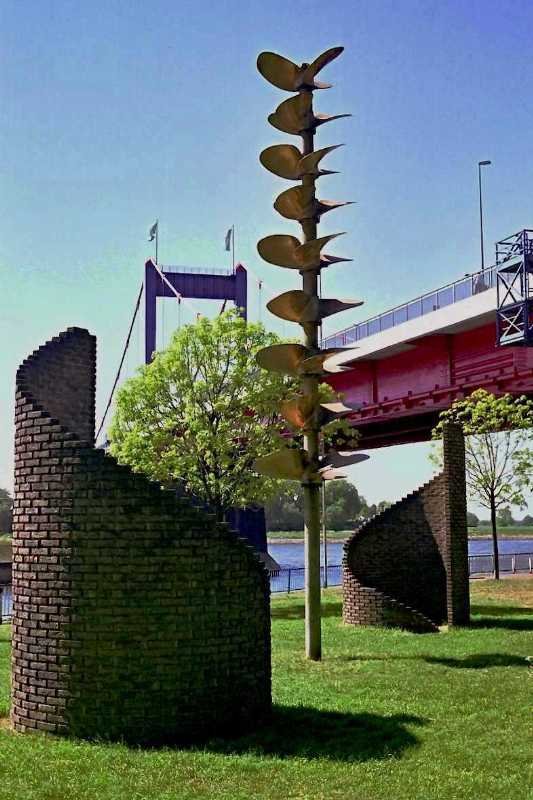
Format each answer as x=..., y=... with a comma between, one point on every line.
x=117, y=113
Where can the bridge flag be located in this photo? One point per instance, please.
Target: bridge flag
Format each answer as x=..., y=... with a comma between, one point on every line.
x=228, y=239
x=152, y=233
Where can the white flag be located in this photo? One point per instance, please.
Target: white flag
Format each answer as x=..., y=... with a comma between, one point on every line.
x=228, y=239
x=153, y=231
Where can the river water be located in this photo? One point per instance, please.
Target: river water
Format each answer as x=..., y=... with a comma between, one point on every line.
x=292, y=555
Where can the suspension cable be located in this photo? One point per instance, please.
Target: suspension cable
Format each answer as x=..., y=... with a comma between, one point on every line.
x=117, y=376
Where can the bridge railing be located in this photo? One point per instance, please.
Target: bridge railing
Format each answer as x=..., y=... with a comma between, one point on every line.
x=425, y=304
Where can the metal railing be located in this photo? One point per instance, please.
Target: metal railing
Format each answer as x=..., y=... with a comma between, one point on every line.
x=447, y=295
x=483, y=564
x=197, y=270
x=6, y=604
x=291, y=579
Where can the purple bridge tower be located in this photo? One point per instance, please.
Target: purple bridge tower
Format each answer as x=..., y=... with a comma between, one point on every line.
x=202, y=284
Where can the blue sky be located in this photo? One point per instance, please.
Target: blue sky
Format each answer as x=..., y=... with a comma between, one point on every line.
x=120, y=112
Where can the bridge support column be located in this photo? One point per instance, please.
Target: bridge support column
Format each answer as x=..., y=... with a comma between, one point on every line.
x=456, y=529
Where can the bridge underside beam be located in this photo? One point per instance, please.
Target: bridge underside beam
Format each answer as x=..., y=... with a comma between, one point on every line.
x=403, y=394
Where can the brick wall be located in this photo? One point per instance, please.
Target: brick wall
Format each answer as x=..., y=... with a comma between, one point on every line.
x=136, y=615
x=409, y=564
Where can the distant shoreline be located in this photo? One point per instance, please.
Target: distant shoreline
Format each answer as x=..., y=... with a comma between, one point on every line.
x=527, y=534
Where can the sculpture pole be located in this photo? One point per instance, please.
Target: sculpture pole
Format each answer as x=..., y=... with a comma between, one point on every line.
x=307, y=361
x=311, y=489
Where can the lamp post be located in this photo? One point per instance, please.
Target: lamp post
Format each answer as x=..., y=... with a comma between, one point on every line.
x=481, y=164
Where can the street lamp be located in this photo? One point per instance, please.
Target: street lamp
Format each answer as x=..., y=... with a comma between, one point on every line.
x=481, y=164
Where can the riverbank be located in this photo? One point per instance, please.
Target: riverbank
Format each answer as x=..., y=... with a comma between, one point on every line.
x=296, y=537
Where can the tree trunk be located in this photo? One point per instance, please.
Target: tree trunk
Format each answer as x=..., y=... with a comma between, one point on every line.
x=494, y=540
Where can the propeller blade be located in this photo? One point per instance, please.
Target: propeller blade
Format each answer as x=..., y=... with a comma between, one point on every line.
x=284, y=358
x=341, y=408
x=288, y=251
x=329, y=205
x=295, y=306
x=316, y=364
x=309, y=164
x=287, y=464
x=279, y=71
x=299, y=203
x=295, y=114
x=341, y=360
x=328, y=474
x=319, y=63
x=287, y=75
x=344, y=458
x=333, y=306
x=282, y=160
x=320, y=119
x=298, y=411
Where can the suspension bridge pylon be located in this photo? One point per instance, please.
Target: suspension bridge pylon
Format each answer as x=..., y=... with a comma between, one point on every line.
x=189, y=282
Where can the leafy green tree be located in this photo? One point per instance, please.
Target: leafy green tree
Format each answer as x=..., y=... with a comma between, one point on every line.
x=499, y=457
x=284, y=511
x=202, y=411
x=527, y=521
x=472, y=520
x=343, y=505
x=6, y=513
x=504, y=517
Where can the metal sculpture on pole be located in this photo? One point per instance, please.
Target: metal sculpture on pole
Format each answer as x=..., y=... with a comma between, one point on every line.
x=311, y=464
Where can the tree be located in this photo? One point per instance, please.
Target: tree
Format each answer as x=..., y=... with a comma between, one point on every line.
x=6, y=513
x=343, y=505
x=202, y=411
x=284, y=512
x=471, y=520
x=499, y=458
x=504, y=517
x=527, y=521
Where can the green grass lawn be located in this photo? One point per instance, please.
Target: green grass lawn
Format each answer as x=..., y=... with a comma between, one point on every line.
x=515, y=532
x=387, y=714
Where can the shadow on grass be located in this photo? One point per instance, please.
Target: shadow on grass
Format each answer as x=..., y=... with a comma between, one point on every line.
x=501, y=611
x=480, y=661
x=304, y=732
x=473, y=661
x=513, y=624
x=297, y=610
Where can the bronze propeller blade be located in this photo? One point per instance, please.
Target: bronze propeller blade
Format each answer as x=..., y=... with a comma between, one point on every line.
x=288, y=251
x=296, y=115
x=297, y=306
x=287, y=75
x=287, y=161
x=285, y=463
x=284, y=358
x=329, y=474
x=295, y=359
x=299, y=203
x=298, y=411
x=344, y=458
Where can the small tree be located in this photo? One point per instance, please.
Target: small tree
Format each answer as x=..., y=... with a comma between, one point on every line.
x=499, y=458
x=471, y=520
x=202, y=411
x=6, y=513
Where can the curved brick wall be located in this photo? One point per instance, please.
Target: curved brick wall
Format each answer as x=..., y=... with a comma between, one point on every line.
x=408, y=566
x=136, y=615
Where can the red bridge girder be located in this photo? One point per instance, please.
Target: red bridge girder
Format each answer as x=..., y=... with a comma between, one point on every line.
x=403, y=393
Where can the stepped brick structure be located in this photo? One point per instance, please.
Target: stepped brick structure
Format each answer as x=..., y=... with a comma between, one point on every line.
x=408, y=566
x=136, y=615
